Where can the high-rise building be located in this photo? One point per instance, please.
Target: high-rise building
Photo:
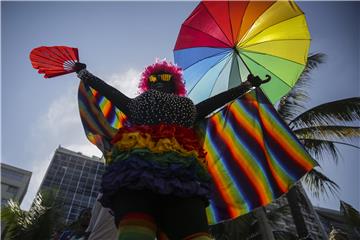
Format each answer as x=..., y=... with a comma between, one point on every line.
x=14, y=183
x=75, y=178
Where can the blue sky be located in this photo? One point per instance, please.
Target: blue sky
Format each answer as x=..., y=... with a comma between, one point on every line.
x=117, y=40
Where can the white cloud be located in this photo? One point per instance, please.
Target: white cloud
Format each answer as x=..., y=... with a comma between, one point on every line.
x=127, y=83
x=61, y=115
x=61, y=125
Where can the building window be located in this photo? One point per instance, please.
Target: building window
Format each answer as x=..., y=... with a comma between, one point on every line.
x=12, y=189
x=12, y=175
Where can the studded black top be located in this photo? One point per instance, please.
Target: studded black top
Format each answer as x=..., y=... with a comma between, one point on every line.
x=155, y=107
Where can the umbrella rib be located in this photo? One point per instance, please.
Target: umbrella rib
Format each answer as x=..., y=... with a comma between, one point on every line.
x=206, y=34
x=272, y=56
x=266, y=28
x=217, y=78
x=232, y=34
x=217, y=25
x=219, y=53
x=242, y=20
x=244, y=63
x=267, y=70
x=246, y=33
x=275, y=40
x=204, y=75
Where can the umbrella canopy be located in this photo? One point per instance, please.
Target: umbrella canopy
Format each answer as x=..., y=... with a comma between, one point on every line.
x=221, y=42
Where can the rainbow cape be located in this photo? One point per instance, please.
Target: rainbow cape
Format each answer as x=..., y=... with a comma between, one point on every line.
x=253, y=157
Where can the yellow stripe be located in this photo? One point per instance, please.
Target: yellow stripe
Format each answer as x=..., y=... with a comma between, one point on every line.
x=278, y=12
x=140, y=140
x=294, y=50
x=295, y=28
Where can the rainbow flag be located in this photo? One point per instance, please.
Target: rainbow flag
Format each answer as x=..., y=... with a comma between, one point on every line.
x=253, y=157
x=100, y=118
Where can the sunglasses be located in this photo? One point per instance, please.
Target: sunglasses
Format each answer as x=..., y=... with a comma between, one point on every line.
x=153, y=78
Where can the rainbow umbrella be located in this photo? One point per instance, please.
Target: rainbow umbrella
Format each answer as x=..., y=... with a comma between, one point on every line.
x=221, y=42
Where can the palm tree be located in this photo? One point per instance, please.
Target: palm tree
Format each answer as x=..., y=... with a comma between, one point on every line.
x=320, y=129
x=38, y=223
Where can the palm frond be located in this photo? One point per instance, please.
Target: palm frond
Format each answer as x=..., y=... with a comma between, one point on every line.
x=318, y=183
x=37, y=223
x=351, y=214
x=319, y=148
x=37, y=208
x=14, y=218
x=329, y=132
x=293, y=103
x=344, y=110
x=313, y=61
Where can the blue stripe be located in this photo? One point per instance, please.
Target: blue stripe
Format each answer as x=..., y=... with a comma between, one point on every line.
x=257, y=157
x=239, y=179
x=194, y=73
x=189, y=56
x=252, y=145
x=282, y=158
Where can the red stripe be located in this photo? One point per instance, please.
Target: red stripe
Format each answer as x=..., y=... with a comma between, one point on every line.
x=239, y=160
x=250, y=131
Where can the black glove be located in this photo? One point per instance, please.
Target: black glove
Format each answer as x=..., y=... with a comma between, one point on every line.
x=256, y=81
x=79, y=66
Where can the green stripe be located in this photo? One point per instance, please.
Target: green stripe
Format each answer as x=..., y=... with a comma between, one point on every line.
x=274, y=89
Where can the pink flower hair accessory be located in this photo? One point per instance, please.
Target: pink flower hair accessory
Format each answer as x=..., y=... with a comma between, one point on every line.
x=165, y=67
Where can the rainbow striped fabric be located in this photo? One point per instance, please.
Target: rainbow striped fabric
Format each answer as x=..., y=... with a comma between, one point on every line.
x=100, y=118
x=252, y=155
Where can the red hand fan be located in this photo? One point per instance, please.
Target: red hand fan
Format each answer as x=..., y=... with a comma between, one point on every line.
x=54, y=61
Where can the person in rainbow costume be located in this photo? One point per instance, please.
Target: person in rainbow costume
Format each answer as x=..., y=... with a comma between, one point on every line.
x=157, y=174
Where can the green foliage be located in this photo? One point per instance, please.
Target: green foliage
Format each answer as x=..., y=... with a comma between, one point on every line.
x=318, y=183
x=341, y=111
x=37, y=223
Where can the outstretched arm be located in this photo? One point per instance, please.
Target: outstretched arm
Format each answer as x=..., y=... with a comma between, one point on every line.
x=120, y=100
x=209, y=105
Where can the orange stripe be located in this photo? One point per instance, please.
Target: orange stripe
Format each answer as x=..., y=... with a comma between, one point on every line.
x=93, y=126
x=219, y=180
x=106, y=107
x=244, y=165
x=221, y=184
x=252, y=13
x=236, y=13
x=299, y=158
x=249, y=130
x=281, y=182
